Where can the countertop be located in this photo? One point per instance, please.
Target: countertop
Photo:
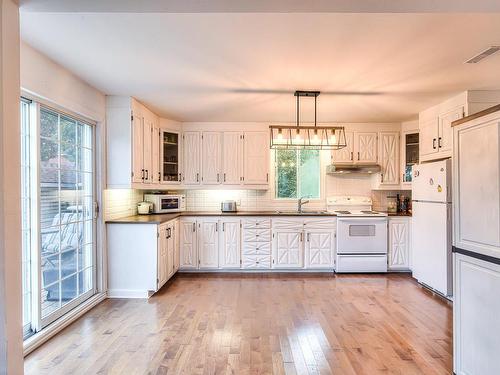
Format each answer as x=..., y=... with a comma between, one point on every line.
x=162, y=218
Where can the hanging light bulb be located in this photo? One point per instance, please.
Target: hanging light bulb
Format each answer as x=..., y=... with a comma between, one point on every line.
x=280, y=134
x=297, y=136
x=333, y=138
x=315, y=139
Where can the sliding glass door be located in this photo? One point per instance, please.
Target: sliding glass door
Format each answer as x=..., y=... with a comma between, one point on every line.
x=62, y=259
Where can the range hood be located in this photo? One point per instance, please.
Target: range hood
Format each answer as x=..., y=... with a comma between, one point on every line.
x=339, y=169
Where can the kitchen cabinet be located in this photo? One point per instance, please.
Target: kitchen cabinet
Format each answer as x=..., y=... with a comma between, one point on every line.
x=288, y=248
x=132, y=136
x=141, y=258
x=208, y=242
x=319, y=248
x=229, y=249
x=256, y=239
x=345, y=155
x=170, y=157
x=365, y=147
x=361, y=148
x=399, y=244
x=255, y=158
x=191, y=158
x=177, y=259
x=188, y=244
x=211, y=158
x=436, y=134
x=389, y=158
x=409, y=156
x=231, y=158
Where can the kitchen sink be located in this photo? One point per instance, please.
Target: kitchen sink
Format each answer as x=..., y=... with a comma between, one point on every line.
x=302, y=213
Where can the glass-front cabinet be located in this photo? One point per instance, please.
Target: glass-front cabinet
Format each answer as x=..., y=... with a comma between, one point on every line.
x=170, y=157
x=410, y=149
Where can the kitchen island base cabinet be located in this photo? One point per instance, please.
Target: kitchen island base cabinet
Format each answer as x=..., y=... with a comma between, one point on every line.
x=141, y=258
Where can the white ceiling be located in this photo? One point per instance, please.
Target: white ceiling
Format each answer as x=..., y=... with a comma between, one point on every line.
x=245, y=66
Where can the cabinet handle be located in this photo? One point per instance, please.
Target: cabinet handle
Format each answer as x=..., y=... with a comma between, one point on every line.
x=197, y=177
x=224, y=177
x=159, y=176
x=217, y=177
x=434, y=143
x=439, y=142
x=352, y=155
x=358, y=155
x=267, y=177
x=223, y=227
x=180, y=177
x=216, y=227
x=142, y=174
x=308, y=237
x=381, y=177
x=194, y=227
x=147, y=175
x=300, y=236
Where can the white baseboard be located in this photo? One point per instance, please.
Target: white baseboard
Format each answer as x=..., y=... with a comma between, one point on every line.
x=129, y=293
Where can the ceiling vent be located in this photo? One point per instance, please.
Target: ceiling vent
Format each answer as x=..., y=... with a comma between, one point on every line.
x=487, y=52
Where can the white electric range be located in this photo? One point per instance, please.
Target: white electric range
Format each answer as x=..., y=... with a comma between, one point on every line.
x=361, y=235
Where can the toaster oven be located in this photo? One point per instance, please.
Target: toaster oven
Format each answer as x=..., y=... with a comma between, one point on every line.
x=166, y=203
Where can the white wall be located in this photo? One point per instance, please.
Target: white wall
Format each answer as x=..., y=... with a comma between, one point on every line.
x=50, y=81
x=11, y=354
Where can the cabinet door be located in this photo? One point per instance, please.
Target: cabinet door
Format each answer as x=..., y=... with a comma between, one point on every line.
x=147, y=154
x=389, y=158
x=208, y=241
x=170, y=157
x=256, y=158
x=319, y=249
x=345, y=155
x=399, y=254
x=137, y=148
x=365, y=147
x=188, y=244
x=229, y=254
x=428, y=141
x=191, y=159
x=162, y=256
x=287, y=249
x=210, y=161
x=231, y=158
x=155, y=153
x=170, y=251
x=445, y=133
x=176, y=245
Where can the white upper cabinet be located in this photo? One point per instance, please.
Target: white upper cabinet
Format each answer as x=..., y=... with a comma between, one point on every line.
x=147, y=124
x=389, y=158
x=191, y=158
x=211, y=158
x=255, y=158
x=188, y=244
x=231, y=158
x=445, y=133
x=137, y=148
x=346, y=154
x=170, y=157
x=229, y=249
x=429, y=135
x=208, y=242
x=365, y=146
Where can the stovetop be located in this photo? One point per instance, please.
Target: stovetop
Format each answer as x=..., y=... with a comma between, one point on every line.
x=359, y=213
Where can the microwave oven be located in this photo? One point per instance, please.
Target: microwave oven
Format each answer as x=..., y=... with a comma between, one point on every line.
x=166, y=203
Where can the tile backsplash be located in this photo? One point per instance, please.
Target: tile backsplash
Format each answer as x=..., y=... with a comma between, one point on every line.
x=123, y=202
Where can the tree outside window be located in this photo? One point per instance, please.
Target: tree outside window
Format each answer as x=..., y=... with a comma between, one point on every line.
x=297, y=173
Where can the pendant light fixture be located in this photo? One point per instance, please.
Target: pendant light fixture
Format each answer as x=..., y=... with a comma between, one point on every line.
x=307, y=137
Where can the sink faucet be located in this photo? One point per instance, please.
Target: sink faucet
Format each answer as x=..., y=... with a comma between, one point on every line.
x=300, y=203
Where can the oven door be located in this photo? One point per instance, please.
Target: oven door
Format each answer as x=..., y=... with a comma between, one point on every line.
x=367, y=235
x=169, y=204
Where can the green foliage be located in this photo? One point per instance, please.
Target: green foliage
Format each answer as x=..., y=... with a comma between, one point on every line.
x=297, y=173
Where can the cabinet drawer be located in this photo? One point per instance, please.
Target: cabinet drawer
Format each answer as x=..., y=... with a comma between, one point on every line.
x=257, y=235
x=257, y=248
x=255, y=223
x=256, y=261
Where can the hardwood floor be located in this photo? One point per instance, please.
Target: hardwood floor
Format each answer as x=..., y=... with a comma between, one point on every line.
x=280, y=324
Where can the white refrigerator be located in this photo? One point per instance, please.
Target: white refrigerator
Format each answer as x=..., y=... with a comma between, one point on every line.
x=431, y=226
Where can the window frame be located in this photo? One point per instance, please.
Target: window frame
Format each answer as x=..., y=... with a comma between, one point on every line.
x=38, y=323
x=274, y=168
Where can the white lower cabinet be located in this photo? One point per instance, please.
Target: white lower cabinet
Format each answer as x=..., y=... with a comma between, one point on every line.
x=319, y=249
x=256, y=243
x=229, y=245
x=399, y=244
x=188, y=244
x=288, y=249
x=141, y=258
x=208, y=242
